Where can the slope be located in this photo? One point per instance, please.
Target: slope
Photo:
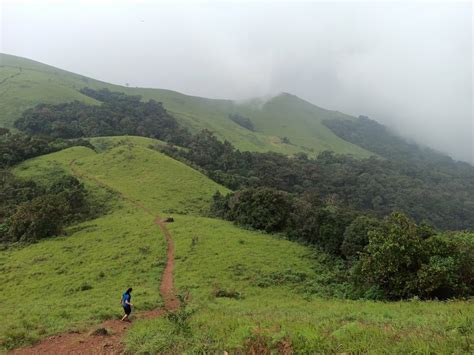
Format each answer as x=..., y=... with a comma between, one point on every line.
x=245, y=291
x=284, y=124
x=74, y=280
x=71, y=281
x=253, y=293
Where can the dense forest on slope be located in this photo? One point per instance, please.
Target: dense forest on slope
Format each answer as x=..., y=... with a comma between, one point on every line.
x=378, y=186
x=379, y=139
x=344, y=206
x=390, y=258
x=28, y=211
x=17, y=147
x=118, y=114
x=437, y=189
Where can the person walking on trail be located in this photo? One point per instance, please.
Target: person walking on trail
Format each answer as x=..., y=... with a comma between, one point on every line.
x=126, y=304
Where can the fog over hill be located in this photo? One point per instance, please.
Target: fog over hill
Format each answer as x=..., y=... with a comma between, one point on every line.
x=407, y=65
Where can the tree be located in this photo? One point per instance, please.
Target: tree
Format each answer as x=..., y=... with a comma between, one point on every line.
x=401, y=262
x=40, y=218
x=261, y=208
x=393, y=257
x=356, y=236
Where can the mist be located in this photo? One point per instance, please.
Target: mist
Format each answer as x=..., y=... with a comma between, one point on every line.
x=407, y=65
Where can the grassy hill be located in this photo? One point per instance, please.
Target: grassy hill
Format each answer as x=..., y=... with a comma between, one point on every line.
x=276, y=309
x=247, y=290
x=73, y=280
x=25, y=83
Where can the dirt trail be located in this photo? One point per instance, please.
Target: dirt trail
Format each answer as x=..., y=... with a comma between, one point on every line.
x=90, y=343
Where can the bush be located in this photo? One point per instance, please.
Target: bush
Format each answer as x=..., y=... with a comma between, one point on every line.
x=40, y=218
x=356, y=236
x=400, y=263
x=242, y=121
x=223, y=293
x=332, y=224
x=29, y=213
x=449, y=272
x=260, y=208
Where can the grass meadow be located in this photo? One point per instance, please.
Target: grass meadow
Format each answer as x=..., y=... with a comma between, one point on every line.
x=25, y=83
x=243, y=290
x=248, y=291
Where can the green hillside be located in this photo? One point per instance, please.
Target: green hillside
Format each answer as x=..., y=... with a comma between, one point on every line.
x=284, y=124
x=281, y=303
x=247, y=290
x=73, y=280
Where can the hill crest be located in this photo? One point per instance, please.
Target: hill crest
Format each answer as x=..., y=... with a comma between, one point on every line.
x=284, y=124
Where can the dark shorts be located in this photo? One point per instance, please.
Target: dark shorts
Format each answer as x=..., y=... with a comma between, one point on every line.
x=127, y=309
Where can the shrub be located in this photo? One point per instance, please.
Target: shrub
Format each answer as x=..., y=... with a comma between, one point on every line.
x=400, y=262
x=449, y=272
x=393, y=256
x=260, y=208
x=223, y=293
x=29, y=212
x=242, y=121
x=356, y=235
x=40, y=218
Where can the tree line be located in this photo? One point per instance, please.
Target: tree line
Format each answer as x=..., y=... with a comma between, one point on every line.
x=16, y=147
x=118, y=114
x=30, y=212
x=443, y=198
x=345, y=206
x=390, y=258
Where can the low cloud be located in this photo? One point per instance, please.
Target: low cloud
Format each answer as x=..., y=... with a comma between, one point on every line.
x=408, y=65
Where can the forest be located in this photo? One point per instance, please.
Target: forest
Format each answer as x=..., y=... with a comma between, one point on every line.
x=16, y=147
x=119, y=114
x=386, y=219
x=382, y=258
x=443, y=197
x=425, y=185
x=29, y=212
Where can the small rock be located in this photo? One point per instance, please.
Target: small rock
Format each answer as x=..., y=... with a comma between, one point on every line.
x=100, y=331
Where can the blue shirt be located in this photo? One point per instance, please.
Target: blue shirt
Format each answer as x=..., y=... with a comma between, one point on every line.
x=126, y=297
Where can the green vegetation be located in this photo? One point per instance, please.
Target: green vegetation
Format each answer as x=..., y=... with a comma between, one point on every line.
x=152, y=179
x=102, y=144
x=118, y=115
x=374, y=186
x=401, y=260
x=241, y=290
x=28, y=211
x=245, y=290
x=16, y=147
x=384, y=259
x=242, y=121
x=75, y=279
x=29, y=83
x=281, y=303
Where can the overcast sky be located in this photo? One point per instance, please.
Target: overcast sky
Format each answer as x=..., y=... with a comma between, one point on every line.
x=405, y=64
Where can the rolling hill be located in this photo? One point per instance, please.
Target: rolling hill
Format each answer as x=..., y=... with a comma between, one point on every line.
x=284, y=123
x=246, y=291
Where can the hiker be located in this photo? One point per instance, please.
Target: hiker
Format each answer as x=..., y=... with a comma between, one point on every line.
x=126, y=304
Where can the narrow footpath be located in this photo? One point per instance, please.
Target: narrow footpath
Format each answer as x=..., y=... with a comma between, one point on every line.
x=95, y=341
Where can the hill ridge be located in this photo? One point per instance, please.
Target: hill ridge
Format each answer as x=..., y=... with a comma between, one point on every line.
x=285, y=124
